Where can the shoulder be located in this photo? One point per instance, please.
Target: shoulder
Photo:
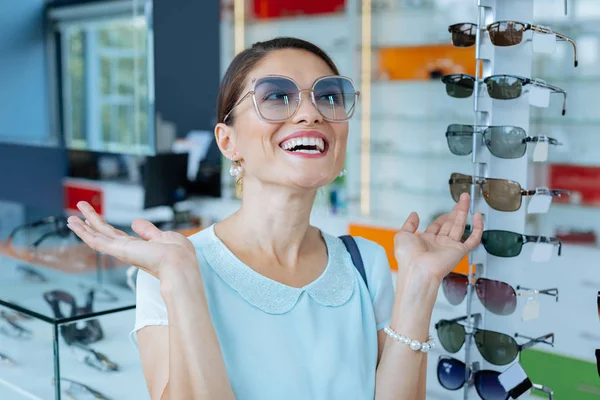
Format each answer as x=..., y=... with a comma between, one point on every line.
x=372, y=253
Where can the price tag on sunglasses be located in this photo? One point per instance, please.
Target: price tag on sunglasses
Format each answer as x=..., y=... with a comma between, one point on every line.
x=515, y=381
x=539, y=96
x=540, y=153
x=531, y=310
x=542, y=252
x=539, y=204
x=544, y=42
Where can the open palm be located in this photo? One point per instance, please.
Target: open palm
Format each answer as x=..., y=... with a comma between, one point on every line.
x=152, y=252
x=439, y=249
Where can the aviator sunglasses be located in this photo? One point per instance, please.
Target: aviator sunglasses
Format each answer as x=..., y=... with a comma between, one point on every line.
x=507, y=142
x=495, y=347
x=498, y=297
x=502, y=34
x=499, y=87
x=278, y=98
x=500, y=194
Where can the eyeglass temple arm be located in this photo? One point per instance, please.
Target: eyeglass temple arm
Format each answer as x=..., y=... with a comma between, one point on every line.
x=532, y=342
x=449, y=321
x=237, y=104
x=43, y=221
x=554, y=89
x=537, y=139
x=559, y=36
x=544, y=389
x=543, y=239
x=529, y=291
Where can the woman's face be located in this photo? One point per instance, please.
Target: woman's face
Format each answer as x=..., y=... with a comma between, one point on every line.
x=260, y=145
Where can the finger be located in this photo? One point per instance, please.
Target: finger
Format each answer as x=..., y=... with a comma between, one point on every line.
x=462, y=205
x=473, y=241
x=411, y=224
x=436, y=225
x=76, y=222
x=147, y=230
x=97, y=222
x=458, y=229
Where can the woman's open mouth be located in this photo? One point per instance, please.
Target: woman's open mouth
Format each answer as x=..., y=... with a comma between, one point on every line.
x=305, y=145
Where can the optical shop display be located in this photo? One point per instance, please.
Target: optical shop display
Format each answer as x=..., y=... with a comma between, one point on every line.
x=503, y=34
x=500, y=194
x=508, y=142
x=499, y=87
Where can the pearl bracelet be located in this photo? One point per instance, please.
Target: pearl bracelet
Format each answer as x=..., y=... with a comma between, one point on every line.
x=414, y=344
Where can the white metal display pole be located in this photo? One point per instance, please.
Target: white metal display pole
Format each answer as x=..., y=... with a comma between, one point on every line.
x=493, y=60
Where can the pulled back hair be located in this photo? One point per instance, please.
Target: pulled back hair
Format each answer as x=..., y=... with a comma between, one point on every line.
x=235, y=77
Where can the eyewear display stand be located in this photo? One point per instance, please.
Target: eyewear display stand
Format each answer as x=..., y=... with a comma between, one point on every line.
x=495, y=60
x=64, y=335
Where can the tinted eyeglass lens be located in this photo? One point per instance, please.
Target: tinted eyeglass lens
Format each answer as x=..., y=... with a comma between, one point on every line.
x=459, y=86
x=502, y=194
x=460, y=139
x=502, y=243
x=451, y=373
x=497, y=348
x=463, y=35
x=459, y=184
x=455, y=288
x=504, y=87
x=488, y=386
x=506, y=141
x=277, y=98
x=497, y=297
x=451, y=335
x=335, y=98
x=506, y=33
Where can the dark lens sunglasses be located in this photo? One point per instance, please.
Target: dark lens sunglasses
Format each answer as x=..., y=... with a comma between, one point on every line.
x=502, y=34
x=497, y=297
x=452, y=373
x=59, y=225
x=277, y=98
x=507, y=142
x=500, y=194
x=495, y=347
x=499, y=87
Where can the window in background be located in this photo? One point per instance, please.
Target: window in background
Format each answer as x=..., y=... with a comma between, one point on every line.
x=106, y=94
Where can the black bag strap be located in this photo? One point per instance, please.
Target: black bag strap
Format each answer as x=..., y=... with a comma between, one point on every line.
x=357, y=260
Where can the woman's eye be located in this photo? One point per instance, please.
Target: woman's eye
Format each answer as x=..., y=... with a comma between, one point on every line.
x=335, y=98
x=276, y=96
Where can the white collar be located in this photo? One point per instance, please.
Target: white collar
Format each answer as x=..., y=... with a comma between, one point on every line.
x=332, y=289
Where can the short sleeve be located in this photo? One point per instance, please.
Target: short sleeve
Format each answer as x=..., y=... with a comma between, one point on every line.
x=379, y=278
x=150, y=306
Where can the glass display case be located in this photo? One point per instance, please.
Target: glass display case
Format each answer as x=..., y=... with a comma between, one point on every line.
x=65, y=316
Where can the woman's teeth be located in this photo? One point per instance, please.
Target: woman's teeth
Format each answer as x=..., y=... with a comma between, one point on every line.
x=304, y=145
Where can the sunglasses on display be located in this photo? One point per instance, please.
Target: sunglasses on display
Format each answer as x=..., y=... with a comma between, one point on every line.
x=507, y=142
x=30, y=274
x=91, y=332
x=500, y=194
x=94, y=358
x=78, y=391
x=278, y=98
x=499, y=87
x=6, y=360
x=502, y=34
x=10, y=328
x=495, y=347
x=498, y=297
x=452, y=375
x=58, y=223
x=506, y=244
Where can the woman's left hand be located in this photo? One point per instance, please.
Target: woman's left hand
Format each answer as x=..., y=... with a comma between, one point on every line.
x=439, y=249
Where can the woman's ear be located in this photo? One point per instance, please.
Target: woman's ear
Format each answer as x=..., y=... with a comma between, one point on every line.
x=224, y=135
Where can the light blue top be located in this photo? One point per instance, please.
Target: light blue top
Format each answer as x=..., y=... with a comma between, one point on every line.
x=280, y=342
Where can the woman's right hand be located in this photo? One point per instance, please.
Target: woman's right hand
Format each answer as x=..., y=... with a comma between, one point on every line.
x=155, y=252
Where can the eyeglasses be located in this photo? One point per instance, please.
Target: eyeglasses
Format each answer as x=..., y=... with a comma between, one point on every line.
x=502, y=141
x=59, y=223
x=509, y=244
x=94, y=358
x=451, y=374
x=278, y=98
x=502, y=34
x=500, y=194
x=30, y=274
x=499, y=87
x=90, y=333
x=10, y=328
x=495, y=347
x=78, y=391
x=497, y=297
x=4, y=359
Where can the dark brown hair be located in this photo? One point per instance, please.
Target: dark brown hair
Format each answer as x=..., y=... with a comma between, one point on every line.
x=235, y=77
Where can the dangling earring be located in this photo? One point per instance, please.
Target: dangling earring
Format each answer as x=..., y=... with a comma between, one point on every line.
x=235, y=169
x=342, y=172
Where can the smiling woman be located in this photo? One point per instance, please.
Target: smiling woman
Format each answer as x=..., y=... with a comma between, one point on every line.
x=262, y=305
